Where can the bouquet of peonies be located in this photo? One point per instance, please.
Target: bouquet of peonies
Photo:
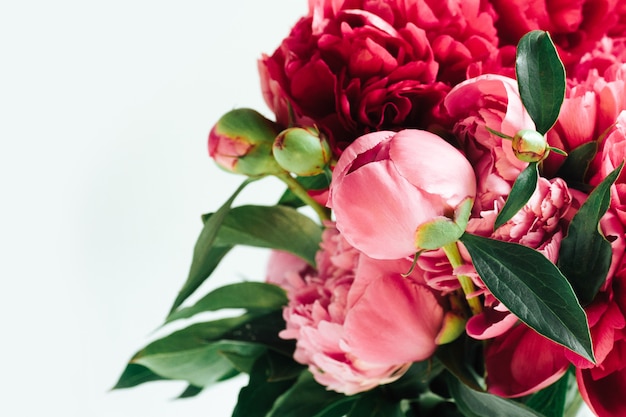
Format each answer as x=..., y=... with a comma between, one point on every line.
x=464, y=254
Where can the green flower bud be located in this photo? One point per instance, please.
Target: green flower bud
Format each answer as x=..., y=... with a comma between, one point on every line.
x=241, y=142
x=303, y=151
x=530, y=146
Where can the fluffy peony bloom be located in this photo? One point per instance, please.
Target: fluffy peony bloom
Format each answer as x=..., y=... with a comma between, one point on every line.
x=341, y=320
x=575, y=26
x=387, y=184
x=489, y=101
x=354, y=66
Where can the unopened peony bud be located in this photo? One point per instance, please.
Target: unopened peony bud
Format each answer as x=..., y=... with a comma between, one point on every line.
x=530, y=146
x=303, y=151
x=241, y=142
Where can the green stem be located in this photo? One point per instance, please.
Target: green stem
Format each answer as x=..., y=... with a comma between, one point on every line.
x=454, y=256
x=322, y=212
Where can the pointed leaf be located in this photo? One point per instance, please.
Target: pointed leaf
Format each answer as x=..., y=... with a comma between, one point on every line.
x=585, y=254
x=275, y=227
x=372, y=404
x=541, y=78
x=134, y=375
x=574, y=168
x=479, y=404
x=550, y=401
x=533, y=289
x=258, y=397
x=523, y=188
x=190, y=391
x=442, y=231
x=306, y=398
x=249, y=295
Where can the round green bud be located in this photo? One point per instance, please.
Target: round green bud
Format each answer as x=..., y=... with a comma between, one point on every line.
x=241, y=142
x=530, y=146
x=303, y=151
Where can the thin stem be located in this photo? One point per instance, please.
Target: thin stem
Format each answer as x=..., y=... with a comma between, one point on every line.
x=454, y=256
x=322, y=212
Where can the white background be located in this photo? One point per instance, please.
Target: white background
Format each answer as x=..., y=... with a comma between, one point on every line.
x=104, y=111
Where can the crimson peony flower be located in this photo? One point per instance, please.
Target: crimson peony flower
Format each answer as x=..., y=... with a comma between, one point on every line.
x=387, y=184
x=348, y=340
x=574, y=25
x=355, y=66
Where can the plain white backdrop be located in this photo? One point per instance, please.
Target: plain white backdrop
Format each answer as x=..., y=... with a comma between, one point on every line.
x=104, y=112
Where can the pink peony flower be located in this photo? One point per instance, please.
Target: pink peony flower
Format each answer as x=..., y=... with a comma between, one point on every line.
x=489, y=101
x=575, y=26
x=521, y=362
x=387, y=184
x=599, y=384
x=341, y=318
x=355, y=66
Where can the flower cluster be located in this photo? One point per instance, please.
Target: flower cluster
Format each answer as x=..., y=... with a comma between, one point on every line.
x=459, y=205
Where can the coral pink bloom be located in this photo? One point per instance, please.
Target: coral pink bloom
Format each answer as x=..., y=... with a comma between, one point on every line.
x=318, y=310
x=391, y=319
x=489, y=101
x=522, y=361
x=387, y=184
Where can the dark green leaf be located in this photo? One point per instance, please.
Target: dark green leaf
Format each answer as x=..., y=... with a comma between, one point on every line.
x=249, y=295
x=263, y=329
x=372, y=404
x=190, y=391
x=480, y=404
x=306, y=398
x=200, y=273
x=541, y=78
x=196, y=354
x=533, y=289
x=585, y=254
x=550, y=401
x=415, y=381
x=523, y=188
x=205, y=255
x=282, y=367
x=574, y=168
x=134, y=375
x=456, y=357
x=258, y=397
x=317, y=182
x=275, y=227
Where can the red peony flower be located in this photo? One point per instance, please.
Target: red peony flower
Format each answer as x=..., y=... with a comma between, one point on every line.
x=356, y=66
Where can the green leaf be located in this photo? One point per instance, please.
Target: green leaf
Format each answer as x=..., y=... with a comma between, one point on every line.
x=205, y=256
x=533, y=289
x=249, y=295
x=134, y=375
x=258, y=397
x=456, y=357
x=190, y=391
x=442, y=231
x=480, y=404
x=550, y=401
x=574, y=168
x=416, y=380
x=585, y=254
x=523, y=188
x=541, y=78
x=307, y=398
x=373, y=404
x=317, y=182
x=275, y=227
x=196, y=354
x=263, y=329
